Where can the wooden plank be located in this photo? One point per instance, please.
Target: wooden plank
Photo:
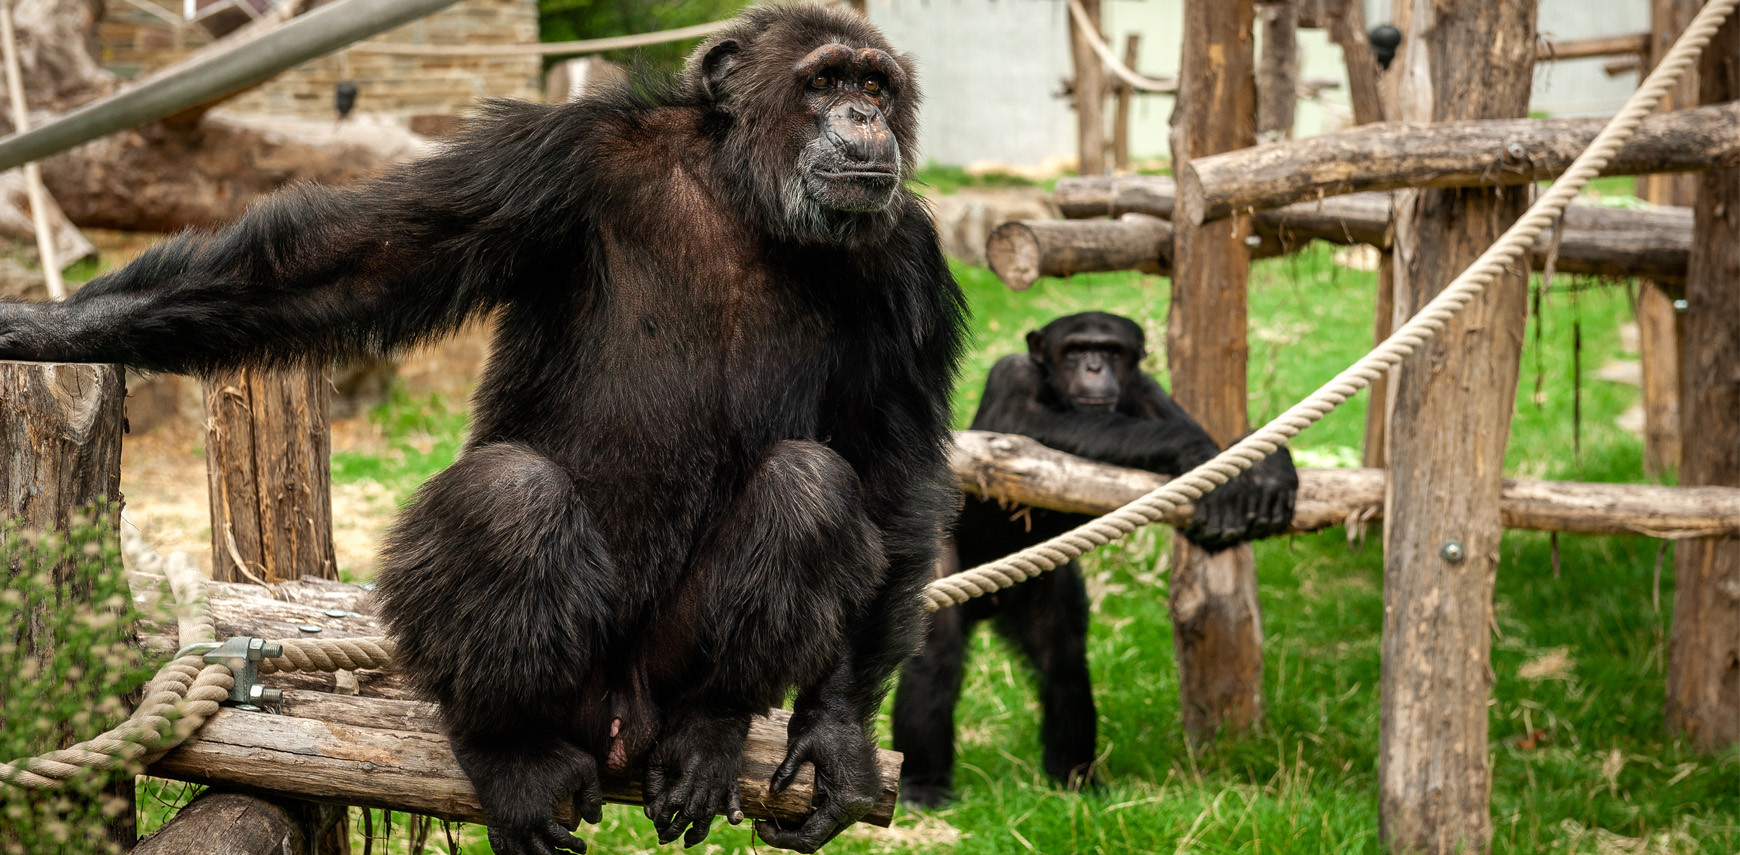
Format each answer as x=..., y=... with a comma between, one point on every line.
x=1468, y=153
x=1452, y=407
x=1278, y=70
x=1089, y=89
x=1019, y=470
x=340, y=750
x=1216, y=628
x=1703, y=675
x=60, y=453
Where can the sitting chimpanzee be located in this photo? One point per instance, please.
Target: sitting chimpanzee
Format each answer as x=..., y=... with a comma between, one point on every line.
x=1078, y=389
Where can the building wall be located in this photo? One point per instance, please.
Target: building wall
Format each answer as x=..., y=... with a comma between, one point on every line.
x=423, y=90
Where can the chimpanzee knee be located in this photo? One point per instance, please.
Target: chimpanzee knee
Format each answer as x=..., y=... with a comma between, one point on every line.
x=1048, y=617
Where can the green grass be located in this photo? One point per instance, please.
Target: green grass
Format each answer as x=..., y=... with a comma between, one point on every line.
x=1595, y=767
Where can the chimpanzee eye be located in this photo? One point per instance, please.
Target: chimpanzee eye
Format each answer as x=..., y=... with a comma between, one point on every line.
x=872, y=85
x=821, y=81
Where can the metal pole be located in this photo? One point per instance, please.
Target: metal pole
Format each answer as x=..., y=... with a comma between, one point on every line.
x=315, y=34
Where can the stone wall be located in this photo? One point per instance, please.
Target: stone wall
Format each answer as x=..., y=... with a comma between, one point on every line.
x=426, y=91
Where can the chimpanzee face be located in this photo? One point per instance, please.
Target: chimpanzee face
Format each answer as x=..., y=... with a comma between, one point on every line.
x=852, y=160
x=1088, y=359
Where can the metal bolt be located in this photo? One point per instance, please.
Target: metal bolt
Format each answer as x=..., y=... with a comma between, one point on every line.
x=1451, y=551
x=271, y=651
x=248, y=708
x=1515, y=151
x=309, y=627
x=1679, y=305
x=1253, y=241
x=336, y=613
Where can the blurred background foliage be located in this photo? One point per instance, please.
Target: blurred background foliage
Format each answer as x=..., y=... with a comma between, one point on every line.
x=571, y=20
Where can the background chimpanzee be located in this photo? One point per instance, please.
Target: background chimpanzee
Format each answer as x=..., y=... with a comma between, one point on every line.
x=705, y=465
x=1080, y=389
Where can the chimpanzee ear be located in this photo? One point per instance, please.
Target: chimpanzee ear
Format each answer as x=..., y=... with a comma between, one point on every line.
x=1036, y=346
x=716, y=66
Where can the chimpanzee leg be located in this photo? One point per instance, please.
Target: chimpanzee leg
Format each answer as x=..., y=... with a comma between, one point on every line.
x=500, y=594
x=793, y=560
x=924, y=704
x=1048, y=617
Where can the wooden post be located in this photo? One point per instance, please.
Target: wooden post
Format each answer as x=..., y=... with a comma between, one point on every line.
x=1453, y=405
x=1090, y=89
x=1658, y=338
x=1217, y=630
x=60, y=452
x=270, y=476
x=1121, y=119
x=250, y=825
x=1703, y=679
x=1278, y=72
x=267, y=453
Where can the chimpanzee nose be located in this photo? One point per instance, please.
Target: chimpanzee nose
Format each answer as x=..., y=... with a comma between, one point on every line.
x=861, y=134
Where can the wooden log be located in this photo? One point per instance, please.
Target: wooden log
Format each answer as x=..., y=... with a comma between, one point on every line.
x=1121, y=115
x=1217, y=630
x=1022, y=251
x=1468, y=153
x=1552, y=50
x=1703, y=674
x=247, y=825
x=1452, y=408
x=1020, y=470
x=1089, y=93
x=1620, y=242
x=1345, y=21
x=391, y=754
x=1278, y=70
x=1657, y=323
x=267, y=452
x=60, y=454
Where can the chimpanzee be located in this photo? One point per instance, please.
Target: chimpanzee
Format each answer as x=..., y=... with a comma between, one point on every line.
x=706, y=461
x=1080, y=389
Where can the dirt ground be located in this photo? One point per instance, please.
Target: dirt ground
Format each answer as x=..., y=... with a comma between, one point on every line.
x=163, y=473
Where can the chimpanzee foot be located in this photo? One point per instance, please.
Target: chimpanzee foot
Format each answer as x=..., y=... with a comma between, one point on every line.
x=519, y=791
x=691, y=777
x=847, y=780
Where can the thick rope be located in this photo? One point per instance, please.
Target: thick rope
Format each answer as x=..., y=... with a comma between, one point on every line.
x=1520, y=238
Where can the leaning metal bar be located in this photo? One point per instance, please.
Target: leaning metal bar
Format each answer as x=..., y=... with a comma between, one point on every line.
x=312, y=35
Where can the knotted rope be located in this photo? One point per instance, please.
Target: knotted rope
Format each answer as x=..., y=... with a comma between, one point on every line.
x=1520, y=238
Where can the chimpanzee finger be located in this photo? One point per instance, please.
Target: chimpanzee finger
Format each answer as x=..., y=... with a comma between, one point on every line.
x=668, y=818
x=561, y=839
x=734, y=805
x=589, y=791
x=652, y=789
x=698, y=831
x=796, y=754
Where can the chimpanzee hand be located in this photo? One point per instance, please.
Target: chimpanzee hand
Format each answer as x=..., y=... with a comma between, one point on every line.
x=847, y=780
x=518, y=789
x=1256, y=504
x=691, y=776
x=17, y=332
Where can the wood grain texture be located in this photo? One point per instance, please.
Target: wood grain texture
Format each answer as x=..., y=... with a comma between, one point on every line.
x=1021, y=471
x=60, y=455
x=1089, y=90
x=1703, y=678
x=1453, y=401
x=392, y=754
x=1020, y=252
x=1394, y=155
x=1217, y=632
x=224, y=823
x=267, y=460
x=1278, y=70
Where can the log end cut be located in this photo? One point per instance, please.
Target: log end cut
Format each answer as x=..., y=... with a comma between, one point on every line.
x=1012, y=250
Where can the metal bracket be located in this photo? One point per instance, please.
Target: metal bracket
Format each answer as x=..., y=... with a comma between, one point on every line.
x=242, y=655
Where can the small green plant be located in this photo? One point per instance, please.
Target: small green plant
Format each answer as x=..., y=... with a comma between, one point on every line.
x=68, y=665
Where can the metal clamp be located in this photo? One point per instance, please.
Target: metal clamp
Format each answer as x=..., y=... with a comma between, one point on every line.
x=242, y=655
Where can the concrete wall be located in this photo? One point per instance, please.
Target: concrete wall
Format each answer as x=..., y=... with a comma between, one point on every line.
x=993, y=70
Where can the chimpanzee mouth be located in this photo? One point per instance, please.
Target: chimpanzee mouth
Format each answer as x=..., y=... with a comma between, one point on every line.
x=860, y=174
x=1095, y=405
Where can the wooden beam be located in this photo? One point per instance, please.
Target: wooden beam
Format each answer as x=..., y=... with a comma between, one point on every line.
x=1020, y=252
x=1020, y=470
x=1621, y=242
x=1466, y=153
x=1278, y=70
x=1451, y=411
x=1703, y=674
x=1124, y=93
x=1552, y=50
x=1217, y=629
x=1089, y=92
x=392, y=754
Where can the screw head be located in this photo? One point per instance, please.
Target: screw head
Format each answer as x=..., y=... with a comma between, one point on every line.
x=1515, y=151
x=336, y=613
x=1253, y=241
x=309, y=627
x=1451, y=551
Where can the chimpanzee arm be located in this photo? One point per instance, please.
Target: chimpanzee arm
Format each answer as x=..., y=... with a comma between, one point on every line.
x=1166, y=440
x=315, y=272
